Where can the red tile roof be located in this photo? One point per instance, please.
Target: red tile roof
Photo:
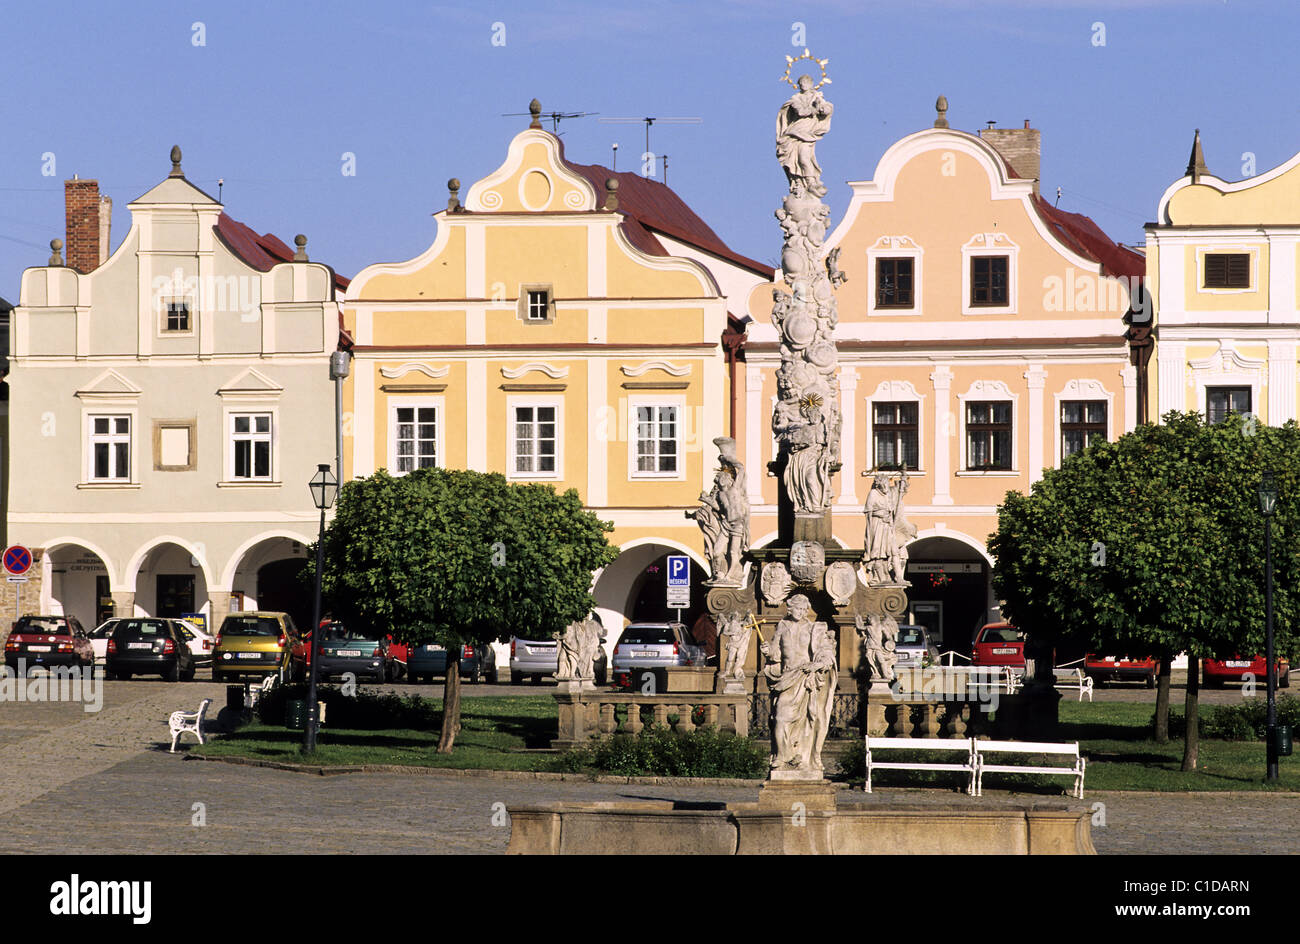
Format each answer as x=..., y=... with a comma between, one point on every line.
x=261, y=252
x=1086, y=238
x=657, y=209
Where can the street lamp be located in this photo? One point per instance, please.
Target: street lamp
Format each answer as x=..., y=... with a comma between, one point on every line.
x=1267, y=505
x=324, y=489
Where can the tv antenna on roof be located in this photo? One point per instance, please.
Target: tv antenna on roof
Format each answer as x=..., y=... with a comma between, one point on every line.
x=555, y=116
x=649, y=121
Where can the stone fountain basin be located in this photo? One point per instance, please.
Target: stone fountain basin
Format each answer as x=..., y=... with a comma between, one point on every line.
x=668, y=827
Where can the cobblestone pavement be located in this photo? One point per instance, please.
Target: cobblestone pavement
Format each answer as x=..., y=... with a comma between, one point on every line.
x=110, y=774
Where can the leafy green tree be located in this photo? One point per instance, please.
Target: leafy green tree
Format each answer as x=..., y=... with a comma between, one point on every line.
x=460, y=557
x=1154, y=545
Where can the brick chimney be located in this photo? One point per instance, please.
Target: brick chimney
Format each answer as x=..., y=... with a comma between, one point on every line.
x=82, y=214
x=1020, y=147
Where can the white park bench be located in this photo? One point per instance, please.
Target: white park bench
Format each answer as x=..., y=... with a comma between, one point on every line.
x=191, y=721
x=255, y=693
x=1072, y=679
x=964, y=746
x=1011, y=751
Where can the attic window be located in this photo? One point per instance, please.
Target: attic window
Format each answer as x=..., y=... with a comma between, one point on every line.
x=1227, y=270
x=176, y=317
x=536, y=304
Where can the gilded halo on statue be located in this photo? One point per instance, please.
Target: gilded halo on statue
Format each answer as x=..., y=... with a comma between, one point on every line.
x=807, y=561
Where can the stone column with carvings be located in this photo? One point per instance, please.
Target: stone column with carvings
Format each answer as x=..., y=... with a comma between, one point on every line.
x=945, y=428
x=1036, y=378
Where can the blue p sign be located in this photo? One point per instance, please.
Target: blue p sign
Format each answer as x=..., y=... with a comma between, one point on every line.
x=679, y=570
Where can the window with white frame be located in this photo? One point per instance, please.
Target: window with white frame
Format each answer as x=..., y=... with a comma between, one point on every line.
x=415, y=437
x=988, y=435
x=250, y=446
x=109, y=448
x=657, y=441
x=536, y=439
x=897, y=434
x=1083, y=422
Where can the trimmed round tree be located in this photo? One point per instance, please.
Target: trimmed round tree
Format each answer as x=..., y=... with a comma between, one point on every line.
x=1154, y=545
x=456, y=557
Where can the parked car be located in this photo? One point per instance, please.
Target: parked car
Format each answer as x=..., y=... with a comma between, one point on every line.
x=540, y=658
x=149, y=646
x=1217, y=672
x=343, y=649
x=99, y=637
x=651, y=648
x=1121, y=669
x=48, y=641
x=255, y=643
x=999, y=644
x=914, y=648
x=201, y=643
x=476, y=662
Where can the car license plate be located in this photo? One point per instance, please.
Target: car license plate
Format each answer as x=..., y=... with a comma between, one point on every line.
x=348, y=652
x=641, y=653
x=1238, y=665
x=535, y=650
x=432, y=647
x=1107, y=658
x=1004, y=652
x=139, y=645
x=38, y=648
x=250, y=655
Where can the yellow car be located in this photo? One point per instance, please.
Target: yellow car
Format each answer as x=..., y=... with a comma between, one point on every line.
x=255, y=643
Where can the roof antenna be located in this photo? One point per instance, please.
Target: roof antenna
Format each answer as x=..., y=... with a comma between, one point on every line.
x=649, y=121
x=614, y=163
x=1058, y=196
x=555, y=116
x=221, y=182
x=664, y=158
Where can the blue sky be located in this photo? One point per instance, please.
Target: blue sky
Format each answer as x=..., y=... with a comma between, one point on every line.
x=280, y=91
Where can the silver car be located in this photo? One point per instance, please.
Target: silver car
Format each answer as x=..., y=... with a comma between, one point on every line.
x=649, y=648
x=913, y=647
x=540, y=658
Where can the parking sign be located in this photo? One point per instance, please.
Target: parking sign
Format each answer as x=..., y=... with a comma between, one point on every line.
x=679, y=580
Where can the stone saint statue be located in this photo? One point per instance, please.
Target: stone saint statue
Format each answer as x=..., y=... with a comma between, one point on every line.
x=885, y=562
x=734, y=631
x=723, y=517
x=577, y=650
x=879, y=637
x=807, y=472
x=803, y=121
x=801, y=673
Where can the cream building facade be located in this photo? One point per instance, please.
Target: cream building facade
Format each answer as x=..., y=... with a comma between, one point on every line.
x=568, y=325
x=981, y=339
x=1222, y=263
x=170, y=406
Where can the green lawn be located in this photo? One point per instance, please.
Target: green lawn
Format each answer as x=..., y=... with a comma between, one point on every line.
x=1116, y=738
x=496, y=734
x=511, y=733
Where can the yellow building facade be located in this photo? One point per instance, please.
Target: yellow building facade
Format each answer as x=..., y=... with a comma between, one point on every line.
x=981, y=339
x=1222, y=260
x=566, y=326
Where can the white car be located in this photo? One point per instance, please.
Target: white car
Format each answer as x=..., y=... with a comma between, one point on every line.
x=200, y=643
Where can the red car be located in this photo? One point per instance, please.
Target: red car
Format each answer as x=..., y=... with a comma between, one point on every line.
x=1121, y=669
x=1215, y=672
x=999, y=644
x=48, y=641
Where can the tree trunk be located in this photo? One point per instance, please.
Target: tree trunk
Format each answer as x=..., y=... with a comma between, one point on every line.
x=1192, y=742
x=1162, y=699
x=450, y=702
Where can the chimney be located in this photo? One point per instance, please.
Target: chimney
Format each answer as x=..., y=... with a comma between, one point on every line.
x=81, y=210
x=1021, y=148
x=105, y=225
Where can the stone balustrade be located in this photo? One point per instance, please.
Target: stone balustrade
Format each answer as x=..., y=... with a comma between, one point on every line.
x=584, y=715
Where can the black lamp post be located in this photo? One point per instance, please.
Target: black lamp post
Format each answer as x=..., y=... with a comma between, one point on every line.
x=324, y=489
x=1267, y=504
